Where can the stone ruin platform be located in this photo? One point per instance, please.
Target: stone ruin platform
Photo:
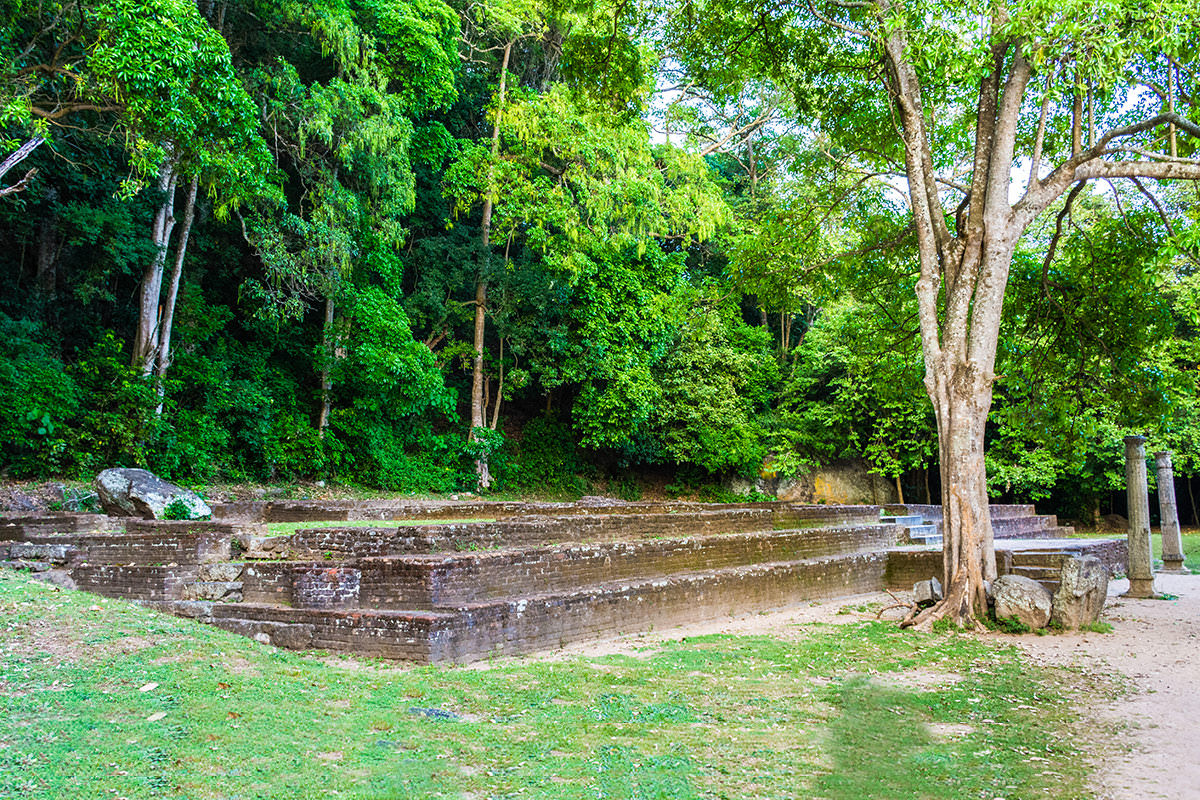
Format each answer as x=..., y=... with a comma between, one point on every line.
x=409, y=580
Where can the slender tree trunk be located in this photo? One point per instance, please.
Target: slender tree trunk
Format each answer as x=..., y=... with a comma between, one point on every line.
x=928, y=494
x=477, y=408
x=145, y=343
x=328, y=345
x=499, y=390
x=899, y=490
x=163, y=360
x=48, y=247
x=19, y=155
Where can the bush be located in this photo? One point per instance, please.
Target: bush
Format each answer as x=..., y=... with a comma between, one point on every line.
x=548, y=458
x=40, y=399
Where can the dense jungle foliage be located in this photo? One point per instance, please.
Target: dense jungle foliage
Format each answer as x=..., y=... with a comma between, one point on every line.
x=259, y=234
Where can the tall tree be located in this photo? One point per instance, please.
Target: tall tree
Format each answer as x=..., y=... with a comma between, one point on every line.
x=989, y=117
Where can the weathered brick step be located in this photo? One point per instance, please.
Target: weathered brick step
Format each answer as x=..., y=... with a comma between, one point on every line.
x=162, y=582
x=548, y=621
x=1032, y=527
x=435, y=581
x=151, y=542
x=309, y=510
x=151, y=583
x=383, y=541
x=31, y=527
x=933, y=513
x=33, y=551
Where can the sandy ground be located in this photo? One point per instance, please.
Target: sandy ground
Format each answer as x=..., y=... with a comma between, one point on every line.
x=1155, y=645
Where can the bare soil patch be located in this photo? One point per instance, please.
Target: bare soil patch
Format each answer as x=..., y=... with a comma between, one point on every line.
x=1155, y=644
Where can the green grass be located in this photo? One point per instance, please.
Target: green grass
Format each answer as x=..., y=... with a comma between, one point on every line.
x=1191, y=545
x=99, y=698
x=290, y=527
x=1191, y=550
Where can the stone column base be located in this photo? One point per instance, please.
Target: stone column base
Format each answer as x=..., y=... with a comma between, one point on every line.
x=1141, y=588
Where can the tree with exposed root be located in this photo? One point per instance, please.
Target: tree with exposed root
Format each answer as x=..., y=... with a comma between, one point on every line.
x=984, y=117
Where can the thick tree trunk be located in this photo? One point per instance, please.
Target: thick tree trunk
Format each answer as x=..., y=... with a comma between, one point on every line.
x=163, y=359
x=967, y=555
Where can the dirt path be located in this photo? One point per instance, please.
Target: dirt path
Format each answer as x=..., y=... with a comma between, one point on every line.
x=1154, y=643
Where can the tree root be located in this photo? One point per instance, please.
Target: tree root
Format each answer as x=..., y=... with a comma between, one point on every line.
x=956, y=606
x=898, y=604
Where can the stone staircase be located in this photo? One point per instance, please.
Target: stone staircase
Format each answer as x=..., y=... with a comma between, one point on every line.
x=914, y=529
x=1008, y=521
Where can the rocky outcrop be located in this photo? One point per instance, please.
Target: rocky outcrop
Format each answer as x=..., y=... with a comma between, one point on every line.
x=1081, y=593
x=1022, y=598
x=140, y=493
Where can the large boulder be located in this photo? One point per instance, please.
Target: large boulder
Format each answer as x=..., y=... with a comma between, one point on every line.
x=1023, y=598
x=1081, y=593
x=139, y=493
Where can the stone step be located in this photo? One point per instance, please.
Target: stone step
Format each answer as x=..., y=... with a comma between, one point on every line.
x=908, y=520
x=143, y=582
x=550, y=620
x=385, y=510
x=436, y=581
x=362, y=542
x=217, y=591
x=924, y=534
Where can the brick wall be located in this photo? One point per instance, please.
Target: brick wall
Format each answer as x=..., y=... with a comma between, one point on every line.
x=139, y=582
x=382, y=541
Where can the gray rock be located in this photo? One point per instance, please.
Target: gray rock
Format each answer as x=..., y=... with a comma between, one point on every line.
x=56, y=577
x=1081, y=592
x=926, y=593
x=258, y=546
x=220, y=572
x=1023, y=598
x=139, y=493
x=741, y=486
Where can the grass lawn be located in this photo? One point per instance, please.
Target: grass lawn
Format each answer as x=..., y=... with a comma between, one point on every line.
x=1191, y=550
x=280, y=528
x=100, y=698
x=1191, y=546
